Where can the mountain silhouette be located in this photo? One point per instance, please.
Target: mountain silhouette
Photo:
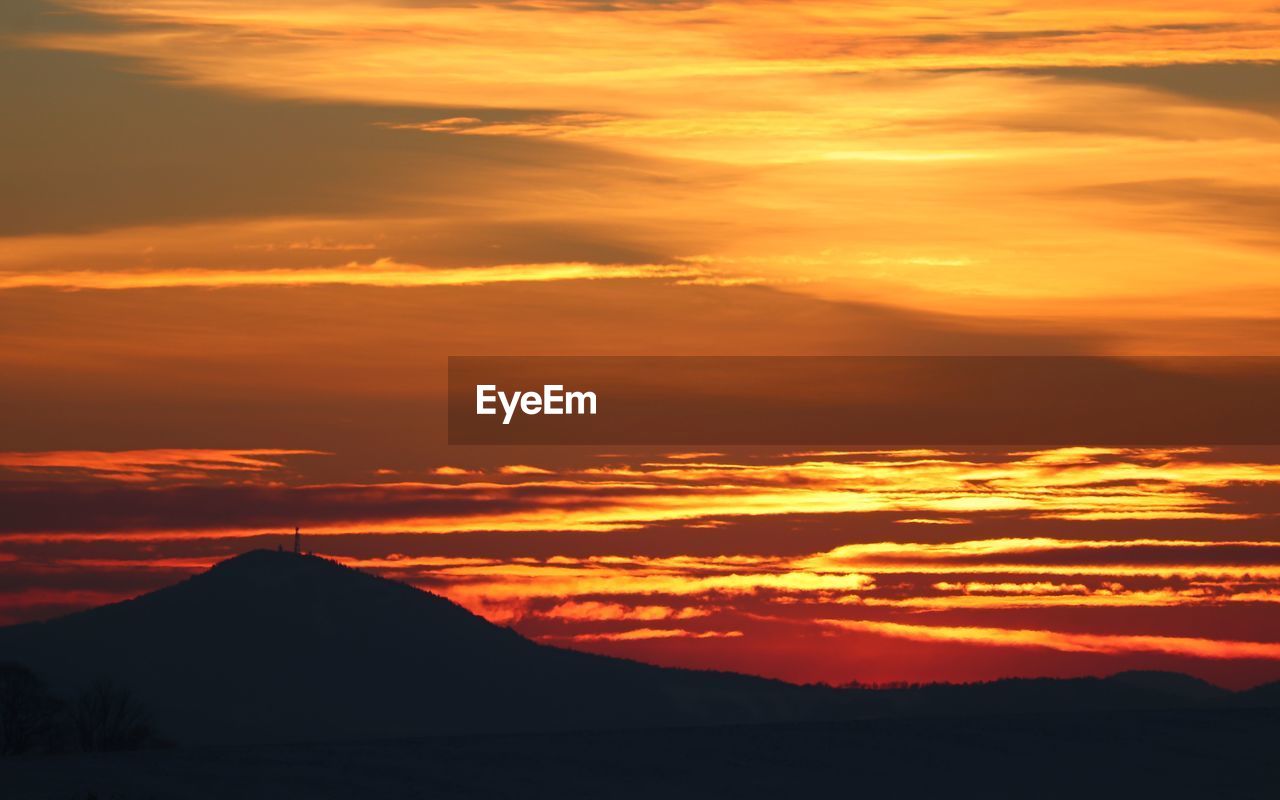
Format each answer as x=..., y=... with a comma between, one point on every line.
x=273, y=646
x=278, y=647
x=1172, y=684
x=1265, y=696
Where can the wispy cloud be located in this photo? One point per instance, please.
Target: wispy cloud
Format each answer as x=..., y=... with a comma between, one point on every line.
x=1068, y=642
x=151, y=465
x=383, y=272
x=646, y=633
x=1120, y=485
x=595, y=611
x=763, y=134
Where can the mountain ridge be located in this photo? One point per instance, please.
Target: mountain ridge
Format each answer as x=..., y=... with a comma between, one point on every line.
x=271, y=646
x=274, y=646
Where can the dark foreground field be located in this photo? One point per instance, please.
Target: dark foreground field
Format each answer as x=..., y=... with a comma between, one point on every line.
x=1224, y=754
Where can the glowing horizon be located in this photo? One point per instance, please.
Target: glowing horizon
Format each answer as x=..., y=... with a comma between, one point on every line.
x=241, y=241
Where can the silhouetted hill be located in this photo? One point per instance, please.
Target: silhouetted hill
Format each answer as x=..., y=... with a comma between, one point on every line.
x=1265, y=696
x=1171, y=684
x=276, y=647
x=271, y=646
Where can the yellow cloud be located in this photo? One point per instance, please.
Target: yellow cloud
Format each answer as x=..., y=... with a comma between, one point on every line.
x=1068, y=642
x=383, y=272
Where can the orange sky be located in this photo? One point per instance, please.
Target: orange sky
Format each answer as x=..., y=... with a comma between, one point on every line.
x=239, y=242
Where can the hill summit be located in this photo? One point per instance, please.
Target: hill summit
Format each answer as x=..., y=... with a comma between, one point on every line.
x=274, y=646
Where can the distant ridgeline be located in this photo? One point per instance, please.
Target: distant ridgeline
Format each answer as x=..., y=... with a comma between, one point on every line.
x=280, y=646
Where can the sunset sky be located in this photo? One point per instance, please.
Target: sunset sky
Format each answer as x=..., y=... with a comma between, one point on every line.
x=239, y=240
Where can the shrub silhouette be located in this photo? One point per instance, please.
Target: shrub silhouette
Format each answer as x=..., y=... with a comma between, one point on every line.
x=29, y=714
x=106, y=716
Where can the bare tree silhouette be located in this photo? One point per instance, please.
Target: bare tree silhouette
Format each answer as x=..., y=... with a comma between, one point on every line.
x=28, y=712
x=108, y=717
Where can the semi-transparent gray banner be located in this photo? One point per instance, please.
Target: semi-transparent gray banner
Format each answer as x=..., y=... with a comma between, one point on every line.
x=914, y=400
